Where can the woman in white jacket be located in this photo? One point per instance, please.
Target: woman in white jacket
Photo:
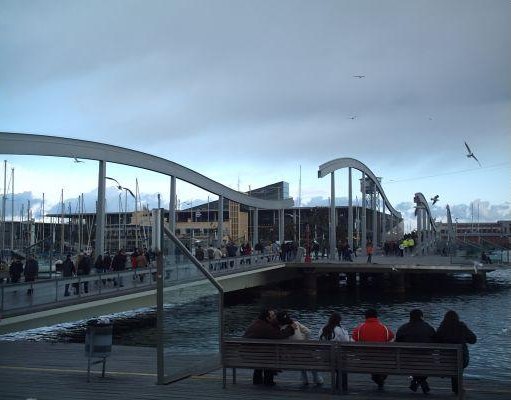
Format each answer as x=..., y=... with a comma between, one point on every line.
x=301, y=333
x=333, y=330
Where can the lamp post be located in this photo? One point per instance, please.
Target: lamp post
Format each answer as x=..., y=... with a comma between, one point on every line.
x=126, y=191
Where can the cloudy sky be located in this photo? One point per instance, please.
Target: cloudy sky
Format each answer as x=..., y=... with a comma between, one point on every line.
x=246, y=92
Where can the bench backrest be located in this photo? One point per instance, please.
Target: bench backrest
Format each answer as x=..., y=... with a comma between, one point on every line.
x=401, y=358
x=279, y=354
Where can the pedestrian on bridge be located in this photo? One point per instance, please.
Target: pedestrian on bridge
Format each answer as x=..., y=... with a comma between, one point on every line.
x=15, y=269
x=369, y=250
x=68, y=271
x=31, y=271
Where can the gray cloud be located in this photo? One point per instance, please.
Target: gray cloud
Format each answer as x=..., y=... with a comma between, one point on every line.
x=273, y=80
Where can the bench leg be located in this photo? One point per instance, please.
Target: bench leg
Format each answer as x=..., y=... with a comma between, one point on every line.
x=461, y=394
x=344, y=381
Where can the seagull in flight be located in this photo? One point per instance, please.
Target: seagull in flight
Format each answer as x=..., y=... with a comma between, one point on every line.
x=77, y=160
x=434, y=199
x=359, y=76
x=471, y=154
x=353, y=117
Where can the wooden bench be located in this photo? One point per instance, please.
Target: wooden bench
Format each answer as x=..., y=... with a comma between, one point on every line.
x=419, y=359
x=278, y=355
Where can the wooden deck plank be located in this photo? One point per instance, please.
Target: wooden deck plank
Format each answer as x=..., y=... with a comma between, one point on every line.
x=58, y=371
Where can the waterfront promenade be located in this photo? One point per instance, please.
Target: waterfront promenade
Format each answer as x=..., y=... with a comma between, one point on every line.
x=44, y=371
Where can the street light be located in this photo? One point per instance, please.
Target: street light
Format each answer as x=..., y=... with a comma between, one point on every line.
x=126, y=191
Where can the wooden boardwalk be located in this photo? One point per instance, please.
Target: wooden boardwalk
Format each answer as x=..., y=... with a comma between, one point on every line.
x=45, y=371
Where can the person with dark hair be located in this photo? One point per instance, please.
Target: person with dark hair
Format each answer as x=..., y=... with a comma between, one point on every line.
x=301, y=332
x=266, y=327
x=31, y=272
x=15, y=270
x=418, y=331
x=372, y=330
x=68, y=271
x=334, y=331
x=452, y=330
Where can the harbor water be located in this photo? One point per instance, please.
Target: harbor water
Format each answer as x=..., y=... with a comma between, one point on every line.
x=487, y=312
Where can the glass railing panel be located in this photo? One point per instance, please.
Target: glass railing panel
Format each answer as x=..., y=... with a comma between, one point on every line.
x=191, y=324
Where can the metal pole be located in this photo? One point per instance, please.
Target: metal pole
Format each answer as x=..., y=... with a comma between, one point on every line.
x=172, y=205
x=256, y=226
x=160, y=348
x=363, y=224
x=125, y=218
x=350, y=210
x=4, y=199
x=220, y=220
x=332, y=217
x=100, y=211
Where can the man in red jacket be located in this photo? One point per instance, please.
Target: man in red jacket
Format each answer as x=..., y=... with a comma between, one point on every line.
x=372, y=330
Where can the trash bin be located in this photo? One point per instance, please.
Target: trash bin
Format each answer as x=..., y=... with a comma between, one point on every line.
x=98, y=342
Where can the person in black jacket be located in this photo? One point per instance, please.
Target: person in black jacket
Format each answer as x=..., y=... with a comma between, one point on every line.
x=31, y=271
x=452, y=330
x=418, y=331
x=266, y=327
x=15, y=270
x=68, y=270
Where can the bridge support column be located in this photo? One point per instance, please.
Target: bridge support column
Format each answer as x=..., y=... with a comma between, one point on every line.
x=419, y=231
x=479, y=280
x=172, y=205
x=374, y=224
x=425, y=219
x=383, y=224
x=220, y=228
x=310, y=283
x=398, y=282
x=100, y=212
x=255, y=233
x=281, y=227
x=363, y=239
x=350, y=210
x=351, y=279
x=332, y=219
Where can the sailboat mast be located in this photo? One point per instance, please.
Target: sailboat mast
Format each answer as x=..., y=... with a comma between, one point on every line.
x=3, y=205
x=12, y=210
x=62, y=222
x=299, y=206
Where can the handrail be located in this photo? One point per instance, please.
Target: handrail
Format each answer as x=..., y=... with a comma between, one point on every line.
x=43, y=145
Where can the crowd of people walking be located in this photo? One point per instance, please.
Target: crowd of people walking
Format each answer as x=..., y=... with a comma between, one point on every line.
x=271, y=324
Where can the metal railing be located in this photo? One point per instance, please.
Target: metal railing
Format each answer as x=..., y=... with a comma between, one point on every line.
x=25, y=297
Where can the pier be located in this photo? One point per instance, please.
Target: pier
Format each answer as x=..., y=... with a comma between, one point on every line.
x=42, y=371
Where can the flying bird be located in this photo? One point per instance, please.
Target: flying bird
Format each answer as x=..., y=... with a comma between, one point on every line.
x=435, y=199
x=359, y=76
x=471, y=154
x=353, y=117
x=77, y=160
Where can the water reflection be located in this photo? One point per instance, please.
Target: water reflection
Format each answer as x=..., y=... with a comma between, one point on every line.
x=486, y=312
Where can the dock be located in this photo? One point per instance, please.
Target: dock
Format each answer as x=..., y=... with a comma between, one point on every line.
x=48, y=371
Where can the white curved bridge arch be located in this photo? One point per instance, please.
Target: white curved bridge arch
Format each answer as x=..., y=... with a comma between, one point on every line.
x=329, y=168
x=42, y=145
x=426, y=227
